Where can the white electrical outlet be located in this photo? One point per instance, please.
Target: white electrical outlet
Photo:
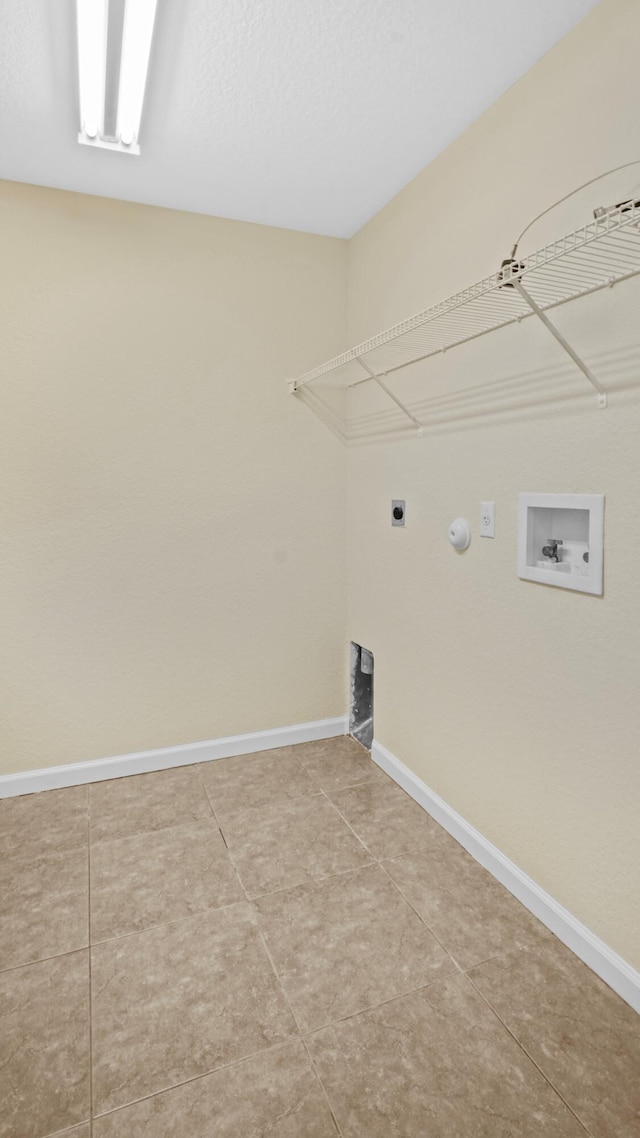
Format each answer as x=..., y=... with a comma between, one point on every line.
x=487, y=519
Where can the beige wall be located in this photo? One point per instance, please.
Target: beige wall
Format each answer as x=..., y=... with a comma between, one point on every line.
x=518, y=703
x=171, y=522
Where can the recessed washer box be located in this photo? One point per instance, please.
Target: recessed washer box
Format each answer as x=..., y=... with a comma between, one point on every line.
x=561, y=540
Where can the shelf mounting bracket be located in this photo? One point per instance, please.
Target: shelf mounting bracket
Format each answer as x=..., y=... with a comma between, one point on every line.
x=586, y=371
x=378, y=379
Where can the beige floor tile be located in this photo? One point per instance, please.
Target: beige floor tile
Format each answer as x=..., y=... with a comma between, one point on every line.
x=143, y=802
x=436, y=1063
x=44, y=906
x=44, y=1046
x=178, y=1001
x=272, y=1095
x=157, y=877
x=254, y=780
x=53, y=821
x=384, y=817
x=582, y=1036
x=347, y=943
x=334, y=763
x=468, y=910
x=277, y=847
x=192, y=1032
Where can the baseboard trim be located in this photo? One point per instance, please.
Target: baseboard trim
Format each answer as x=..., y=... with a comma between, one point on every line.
x=606, y=963
x=141, y=762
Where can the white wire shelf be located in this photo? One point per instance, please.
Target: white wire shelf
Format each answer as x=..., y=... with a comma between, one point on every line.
x=600, y=254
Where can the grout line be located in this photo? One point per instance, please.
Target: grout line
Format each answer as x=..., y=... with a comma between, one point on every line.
x=43, y=959
x=364, y=781
x=74, y=1125
x=257, y=806
x=264, y=1050
x=245, y=899
x=380, y=861
x=312, y=881
x=201, y=784
x=295, y=1019
x=208, y=910
x=529, y=1056
x=173, y=825
x=185, y=824
x=367, y=750
x=231, y=861
x=193, y=1079
x=322, y=1086
x=421, y=918
x=270, y=805
x=418, y=848
x=249, y=899
x=263, y=940
x=348, y=824
x=381, y=1004
x=488, y=959
x=309, y=881
x=197, y=913
x=315, y=793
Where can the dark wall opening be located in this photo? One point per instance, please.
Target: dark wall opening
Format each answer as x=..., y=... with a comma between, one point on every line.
x=361, y=701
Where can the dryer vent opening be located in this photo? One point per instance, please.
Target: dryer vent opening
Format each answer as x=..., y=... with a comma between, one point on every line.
x=361, y=701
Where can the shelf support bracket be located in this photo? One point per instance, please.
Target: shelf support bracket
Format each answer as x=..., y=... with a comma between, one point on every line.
x=586, y=371
x=378, y=379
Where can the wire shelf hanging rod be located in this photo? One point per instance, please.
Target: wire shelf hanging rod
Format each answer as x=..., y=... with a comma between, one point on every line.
x=557, y=335
x=378, y=379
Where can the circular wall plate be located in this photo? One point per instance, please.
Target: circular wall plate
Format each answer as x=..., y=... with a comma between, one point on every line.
x=459, y=533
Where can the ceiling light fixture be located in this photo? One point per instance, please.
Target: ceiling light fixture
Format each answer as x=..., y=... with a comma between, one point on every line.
x=114, y=45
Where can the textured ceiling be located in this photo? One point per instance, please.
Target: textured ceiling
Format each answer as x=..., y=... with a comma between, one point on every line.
x=286, y=112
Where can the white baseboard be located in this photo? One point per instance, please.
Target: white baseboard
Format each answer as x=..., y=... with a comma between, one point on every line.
x=141, y=762
x=602, y=960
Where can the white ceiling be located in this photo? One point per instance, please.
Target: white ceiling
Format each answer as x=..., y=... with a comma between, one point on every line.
x=308, y=115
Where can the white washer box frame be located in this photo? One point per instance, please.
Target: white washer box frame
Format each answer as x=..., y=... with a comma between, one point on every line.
x=594, y=504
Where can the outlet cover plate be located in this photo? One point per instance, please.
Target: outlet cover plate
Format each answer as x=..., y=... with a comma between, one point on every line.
x=487, y=519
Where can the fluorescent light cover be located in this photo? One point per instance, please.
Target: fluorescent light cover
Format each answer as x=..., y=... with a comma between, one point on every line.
x=139, y=16
x=91, y=16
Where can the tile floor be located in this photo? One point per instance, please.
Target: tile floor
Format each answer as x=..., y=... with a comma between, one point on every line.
x=284, y=945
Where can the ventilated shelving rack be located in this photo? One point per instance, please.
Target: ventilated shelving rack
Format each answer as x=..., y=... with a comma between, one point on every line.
x=597, y=256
